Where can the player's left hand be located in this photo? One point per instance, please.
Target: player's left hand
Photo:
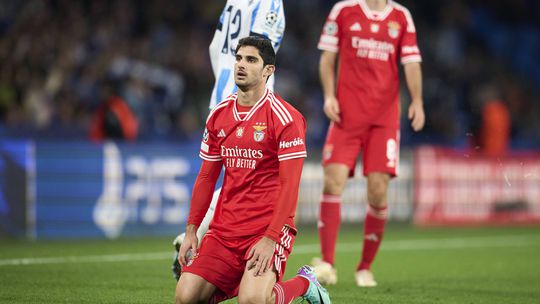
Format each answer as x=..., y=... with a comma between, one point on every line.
x=260, y=256
x=416, y=115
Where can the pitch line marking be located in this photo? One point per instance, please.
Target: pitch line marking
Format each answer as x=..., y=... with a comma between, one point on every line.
x=391, y=245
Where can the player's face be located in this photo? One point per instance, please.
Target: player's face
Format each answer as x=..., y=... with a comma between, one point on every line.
x=249, y=69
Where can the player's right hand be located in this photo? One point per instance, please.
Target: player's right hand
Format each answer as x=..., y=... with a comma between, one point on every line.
x=331, y=109
x=190, y=242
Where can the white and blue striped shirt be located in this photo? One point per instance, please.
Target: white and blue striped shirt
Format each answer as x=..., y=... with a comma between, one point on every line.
x=239, y=19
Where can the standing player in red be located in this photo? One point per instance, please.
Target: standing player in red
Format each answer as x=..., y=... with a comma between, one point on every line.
x=370, y=36
x=260, y=140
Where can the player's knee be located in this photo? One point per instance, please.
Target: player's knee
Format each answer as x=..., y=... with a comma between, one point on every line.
x=182, y=298
x=377, y=190
x=333, y=184
x=185, y=296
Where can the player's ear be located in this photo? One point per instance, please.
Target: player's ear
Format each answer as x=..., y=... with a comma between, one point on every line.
x=269, y=70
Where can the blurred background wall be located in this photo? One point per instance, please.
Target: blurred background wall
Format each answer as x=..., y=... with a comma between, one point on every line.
x=65, y=64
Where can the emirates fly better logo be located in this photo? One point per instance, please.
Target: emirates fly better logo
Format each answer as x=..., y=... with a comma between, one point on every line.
x=243, y=158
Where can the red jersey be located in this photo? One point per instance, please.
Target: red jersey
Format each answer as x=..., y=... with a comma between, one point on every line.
x=369, y=45
x=250, y=147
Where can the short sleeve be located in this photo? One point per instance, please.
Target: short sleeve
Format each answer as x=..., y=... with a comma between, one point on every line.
x=268, y=20
x=409, y=47
x=330, y=36
x=292, y=139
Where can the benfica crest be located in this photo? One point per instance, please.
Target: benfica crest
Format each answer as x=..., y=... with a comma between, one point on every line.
x=393, y=29
x=258, y=134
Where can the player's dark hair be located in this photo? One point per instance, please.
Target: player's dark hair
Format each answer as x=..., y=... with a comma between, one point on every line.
x=264, y=45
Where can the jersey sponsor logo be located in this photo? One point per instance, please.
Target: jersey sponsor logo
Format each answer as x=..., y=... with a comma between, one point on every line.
x=241, y=158
x=292, y=143
x=356, y=27
x=239, y=132
x=221, y=133
x=372, y=49
x=374, y=28
x=330, y=28
x=241, y=152
x=410, y=50
x=258, y=134
x=393, y=29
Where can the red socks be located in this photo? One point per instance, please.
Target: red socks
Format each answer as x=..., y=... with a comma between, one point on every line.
x=289, y=290
x=373, y=233
x=329, y=221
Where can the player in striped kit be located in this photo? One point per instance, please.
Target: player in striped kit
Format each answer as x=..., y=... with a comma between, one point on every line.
x=240, y=18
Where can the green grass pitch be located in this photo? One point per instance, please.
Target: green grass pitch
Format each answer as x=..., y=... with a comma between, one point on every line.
x=452, y=265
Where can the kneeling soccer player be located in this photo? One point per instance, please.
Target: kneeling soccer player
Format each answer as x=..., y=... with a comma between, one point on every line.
x=260, y=140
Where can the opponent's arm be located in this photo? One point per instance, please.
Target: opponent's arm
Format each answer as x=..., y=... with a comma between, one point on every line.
x=269, y=22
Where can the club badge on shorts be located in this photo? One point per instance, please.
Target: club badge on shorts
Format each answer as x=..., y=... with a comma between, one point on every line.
x=258, y=134
x=327, y=151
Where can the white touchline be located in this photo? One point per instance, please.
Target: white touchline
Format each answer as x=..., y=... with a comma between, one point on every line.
x=390, y=245
x=433, y=244
x=152, y=256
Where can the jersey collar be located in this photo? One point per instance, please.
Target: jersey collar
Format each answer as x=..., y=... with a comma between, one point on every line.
x=255, y=107
x=375, y=15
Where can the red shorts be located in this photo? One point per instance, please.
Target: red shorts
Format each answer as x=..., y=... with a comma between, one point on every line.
x=379, y=147
x=222, y=262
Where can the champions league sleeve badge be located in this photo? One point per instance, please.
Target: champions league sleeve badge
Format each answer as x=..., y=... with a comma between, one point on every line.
x=271, y=18
x=205, y=135
x=330, y=28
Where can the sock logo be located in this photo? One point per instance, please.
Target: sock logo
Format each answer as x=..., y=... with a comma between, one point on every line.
x=371, y=237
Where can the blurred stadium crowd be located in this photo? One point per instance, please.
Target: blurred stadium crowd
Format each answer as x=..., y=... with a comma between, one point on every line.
x=59, y=58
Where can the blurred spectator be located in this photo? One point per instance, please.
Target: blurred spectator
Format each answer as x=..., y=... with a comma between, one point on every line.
x=493, y=135
x=55, y=54
x=113, y=118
